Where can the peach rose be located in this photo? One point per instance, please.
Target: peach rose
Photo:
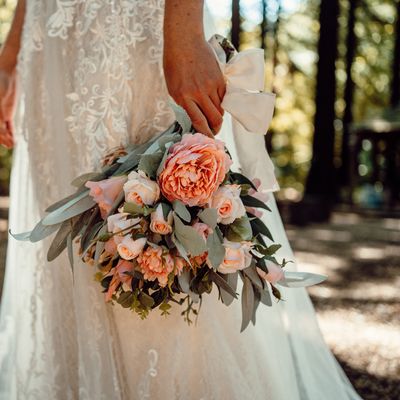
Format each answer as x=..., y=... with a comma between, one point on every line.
x=120, y=222
x=156, y=263
x=226, y=200
x=119, y=275
x=129, y=249
x=194, y=169
x=141, y=190
x=274, y=275
x=105, y=192
x=159, y=224
x=237, y=257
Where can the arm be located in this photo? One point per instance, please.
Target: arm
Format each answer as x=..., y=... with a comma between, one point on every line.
x=8, y=62
x=193, y=76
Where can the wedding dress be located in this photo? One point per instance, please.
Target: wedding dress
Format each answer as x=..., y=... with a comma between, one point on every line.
x=90, y=79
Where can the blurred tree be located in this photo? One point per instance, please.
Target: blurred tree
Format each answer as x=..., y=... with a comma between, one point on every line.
x=321, y=181
x=236, y=23
x=395, y=95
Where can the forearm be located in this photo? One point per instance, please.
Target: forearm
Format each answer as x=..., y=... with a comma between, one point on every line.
x=10, y=49
x=183, y=20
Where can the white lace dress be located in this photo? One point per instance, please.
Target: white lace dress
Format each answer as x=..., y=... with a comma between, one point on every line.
x=91, y=79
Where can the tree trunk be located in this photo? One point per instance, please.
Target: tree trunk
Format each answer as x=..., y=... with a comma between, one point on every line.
x=321, y=178
x=236, y=28
x=264, y=25
x=395, y=97
x=351, y=46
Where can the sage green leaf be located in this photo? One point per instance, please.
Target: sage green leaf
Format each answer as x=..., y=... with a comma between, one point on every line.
x=222, y=283
x=252, y=274
x=191, y=240
x=181, y=249
x=181, y=116
x=77, y=206
x=149, y=163
x=240, y=230
x=209, y=216
x=266, y=297
x=259, y=227
x=251, y=201
x=90, y=234
x=162, y=162
x=181, y=210
x=94, y=217
x=90, y=176
x=70, y=251
x=241, y=179
x=216, y=250
x=125, y=299
x=22, y=237
x=116, y=204
x=232, y=280
x=247, y=302
x=145, y=300
x=66, y=200
x=133, y=208
x=41, y=231
x=59, y=242
x=100, y=245
x=166, y=209
x=184, y=280
x=257, y=300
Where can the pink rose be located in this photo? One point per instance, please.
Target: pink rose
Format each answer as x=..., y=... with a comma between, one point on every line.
x=237, y=257
x=141, y=190
x=194, y=169
x=274, y=275
x=105, y=192
x=119, y=275
x=156, y=263
x=226, y=200
x=129, y=249
x=159, y=224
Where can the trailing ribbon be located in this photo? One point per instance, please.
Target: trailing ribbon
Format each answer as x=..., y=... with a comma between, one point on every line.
x=245, y=99
x=294, y=279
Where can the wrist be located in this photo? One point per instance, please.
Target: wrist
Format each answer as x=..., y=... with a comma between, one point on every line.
x=8, y=59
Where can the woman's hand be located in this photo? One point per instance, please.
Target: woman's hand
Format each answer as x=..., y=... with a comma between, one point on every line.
x=194, y=78
x=7, y=105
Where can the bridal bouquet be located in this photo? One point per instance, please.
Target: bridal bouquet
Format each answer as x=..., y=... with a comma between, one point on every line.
x=166, y=222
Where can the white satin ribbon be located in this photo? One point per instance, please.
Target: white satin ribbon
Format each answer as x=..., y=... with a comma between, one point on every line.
x=245, y=99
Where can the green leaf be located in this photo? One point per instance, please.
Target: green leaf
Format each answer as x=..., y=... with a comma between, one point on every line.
x=59, y=242
x=216, y=250
x=232, y=280
x=191, y=240
x=41, y=231
x=166, y=208
x=247, y=302
x=209, y=216
x=70, y=252
x=90, y=176
x=64, y=201
x=240, y=230
x=162, y=162
x=266, y=297
x=241, y=179
x=252, y=274
x=135, y=209
x=181, y=249
x=145, y=300
x=182, y=117
x=259, y=227
x=222, y=284
x=126, y=299
x=257, y=299
x=181, y=210
x=81, y=204
x=149, y=163
x=251, y=201
x=22, y=237
x=184, y=280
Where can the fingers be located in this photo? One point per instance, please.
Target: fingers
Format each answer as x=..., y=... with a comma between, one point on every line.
x=198, y=119
x=6, y=136
x=212, y=114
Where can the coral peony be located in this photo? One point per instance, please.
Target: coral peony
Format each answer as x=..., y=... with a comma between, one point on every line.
x=194, y=169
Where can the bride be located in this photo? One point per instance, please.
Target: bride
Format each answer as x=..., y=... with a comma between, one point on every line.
x=92, y=75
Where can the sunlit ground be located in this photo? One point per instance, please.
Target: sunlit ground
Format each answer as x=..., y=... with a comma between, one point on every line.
x=359, y=306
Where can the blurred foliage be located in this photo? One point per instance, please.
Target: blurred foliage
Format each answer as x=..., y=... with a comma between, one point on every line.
x=6, y=13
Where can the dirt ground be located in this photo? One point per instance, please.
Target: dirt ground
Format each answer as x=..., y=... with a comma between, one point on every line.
x=359, y=306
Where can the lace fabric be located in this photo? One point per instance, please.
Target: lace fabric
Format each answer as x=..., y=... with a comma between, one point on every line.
x=91, y=79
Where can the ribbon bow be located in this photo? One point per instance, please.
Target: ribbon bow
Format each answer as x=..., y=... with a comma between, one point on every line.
x=245, y=99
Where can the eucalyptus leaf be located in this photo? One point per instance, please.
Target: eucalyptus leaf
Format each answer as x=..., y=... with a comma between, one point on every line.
x=22, y=237
x=181, y=210
x=191, y=240
x=149, y=163
x=145, y=300
x=83, y=203
x=266, y=297
x=216, y=250
x=241, y=179
x=166, y=209
x=41, y=231
x=247, y=302
x=251, y=201
x=181, y=249
x=184, y=280
x=257, y=300
x=162, y=162
x=90, y=235
x=70, y=251
x=259, y=227
x=209, y=216
x=222, y=284
x=232, y=280
x=66, y=200
x=252, y=274
x=90, y=176
x=181, y=116
x=125, y=299
x=240, y=230
x=59, y=242
x=133, y=208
